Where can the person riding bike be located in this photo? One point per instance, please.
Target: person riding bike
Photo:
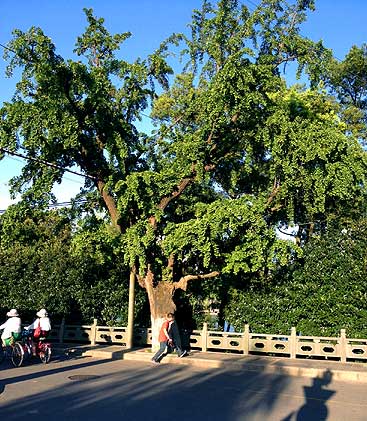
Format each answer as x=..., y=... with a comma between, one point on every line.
x=41, y=328
x=12, y=328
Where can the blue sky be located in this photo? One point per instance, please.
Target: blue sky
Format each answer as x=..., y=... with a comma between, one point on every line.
x=339, y=23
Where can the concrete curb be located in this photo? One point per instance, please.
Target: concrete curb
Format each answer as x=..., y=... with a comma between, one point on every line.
x=353, y=372
x=173, y=359
x=280, y=367
x=99, y=351
x=110, y=355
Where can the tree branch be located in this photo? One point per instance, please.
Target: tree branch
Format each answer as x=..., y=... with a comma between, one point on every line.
x=276, y=188
x=182, y=283
x=177, y=192
x=110, y=204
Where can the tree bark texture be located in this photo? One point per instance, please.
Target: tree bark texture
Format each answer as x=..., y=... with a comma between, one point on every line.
x=161, y=302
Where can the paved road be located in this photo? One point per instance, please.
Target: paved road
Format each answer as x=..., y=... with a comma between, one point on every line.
x=129, y=390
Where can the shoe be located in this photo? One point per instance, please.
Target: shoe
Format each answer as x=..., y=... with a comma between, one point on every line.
x=155, y=362
x=183, y=354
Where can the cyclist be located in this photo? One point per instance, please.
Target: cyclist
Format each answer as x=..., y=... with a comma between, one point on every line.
x=12, y=328
x=41, y=328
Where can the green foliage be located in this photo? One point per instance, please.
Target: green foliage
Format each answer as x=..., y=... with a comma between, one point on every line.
x=324, y=294
x=347, y=79
x=235, y=154
x=320, y=167
x=46, y=264
x=36, y=268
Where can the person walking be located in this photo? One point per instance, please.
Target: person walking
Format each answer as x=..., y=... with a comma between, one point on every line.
x=174, y=334
x=165, y=339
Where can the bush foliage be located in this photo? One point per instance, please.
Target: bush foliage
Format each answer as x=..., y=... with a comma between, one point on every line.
x=320, y=295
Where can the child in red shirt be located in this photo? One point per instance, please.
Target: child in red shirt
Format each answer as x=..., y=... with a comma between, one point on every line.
x=165, y=339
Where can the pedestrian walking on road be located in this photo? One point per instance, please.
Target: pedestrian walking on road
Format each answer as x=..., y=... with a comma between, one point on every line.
x=174, y=334
x=165, y=339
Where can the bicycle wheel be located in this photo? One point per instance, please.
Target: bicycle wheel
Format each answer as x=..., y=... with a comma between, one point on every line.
x=45, y=353
x=17, y=354
x=27, y=348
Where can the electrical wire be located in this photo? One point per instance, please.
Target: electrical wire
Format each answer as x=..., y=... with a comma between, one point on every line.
x=57, y=204
x=49, y=164
x=64, y=177
x=9, y=49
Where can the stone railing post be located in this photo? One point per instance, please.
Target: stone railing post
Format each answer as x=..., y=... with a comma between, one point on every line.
x=246, y=339
x=293, y=342
x=129, y=340
x=93, y=332
x=343, y=346
x=204, y=337
x=61, y=331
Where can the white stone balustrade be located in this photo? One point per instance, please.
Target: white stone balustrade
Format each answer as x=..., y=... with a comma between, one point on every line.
x=338, y=348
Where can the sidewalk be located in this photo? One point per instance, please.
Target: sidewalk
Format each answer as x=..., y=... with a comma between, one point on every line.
x=356, y=372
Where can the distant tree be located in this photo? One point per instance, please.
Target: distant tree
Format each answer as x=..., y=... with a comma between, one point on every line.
x=101, y=289
x=348, y=80
x=36, y=268
x=323, y=294
x=45, y=263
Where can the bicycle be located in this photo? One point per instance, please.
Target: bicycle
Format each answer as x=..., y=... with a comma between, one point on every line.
x=40, y=346
x=14, y=351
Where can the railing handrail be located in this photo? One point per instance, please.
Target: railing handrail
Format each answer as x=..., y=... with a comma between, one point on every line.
x=293, y=346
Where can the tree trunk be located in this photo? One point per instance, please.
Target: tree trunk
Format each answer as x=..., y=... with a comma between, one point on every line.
x=161, y=302
x=156, y=324
x=160, y=295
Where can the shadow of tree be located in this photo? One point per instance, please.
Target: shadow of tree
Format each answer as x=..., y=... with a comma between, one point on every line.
x=142, y=392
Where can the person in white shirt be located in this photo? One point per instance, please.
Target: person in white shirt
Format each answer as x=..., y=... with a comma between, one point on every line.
x=12, y=328
x=41, y=328
x=42, y=325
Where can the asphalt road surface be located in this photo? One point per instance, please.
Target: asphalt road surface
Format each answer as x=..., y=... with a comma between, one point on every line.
x=89, y=389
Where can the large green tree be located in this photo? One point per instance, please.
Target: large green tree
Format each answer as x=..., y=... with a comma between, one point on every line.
x=235, y=153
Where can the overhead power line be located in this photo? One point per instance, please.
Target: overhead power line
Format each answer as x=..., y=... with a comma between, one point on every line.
x=49, y=164
x=57, y=204
x=64, y=177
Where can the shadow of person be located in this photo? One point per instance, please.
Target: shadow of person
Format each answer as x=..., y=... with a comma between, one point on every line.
x=314, y=408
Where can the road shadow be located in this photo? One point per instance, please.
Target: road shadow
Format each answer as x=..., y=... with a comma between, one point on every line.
x=44, y=371
x=90, y=390
x=142, y=391
x=316, y=396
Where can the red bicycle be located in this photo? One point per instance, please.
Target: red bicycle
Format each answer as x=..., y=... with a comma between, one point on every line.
x=41, y=348
x=23, y=350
